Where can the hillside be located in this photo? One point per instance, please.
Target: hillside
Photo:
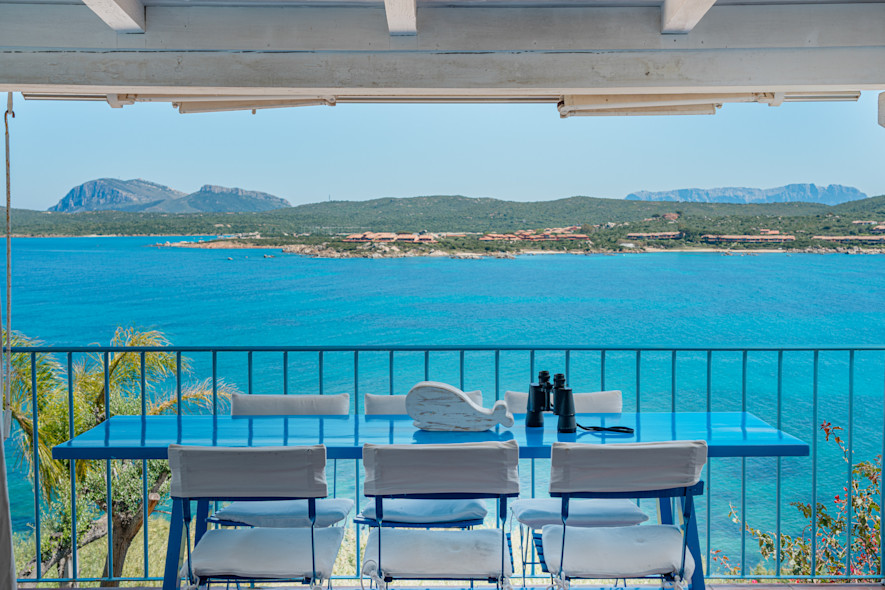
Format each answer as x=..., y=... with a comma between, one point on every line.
x=457, y=213
x=833, y=194
x=454, y=213
x=211, y=198
x=111, y=194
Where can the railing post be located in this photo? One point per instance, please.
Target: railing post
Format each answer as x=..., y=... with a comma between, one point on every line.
x=36, y=459
x=814, y=430
x=777, y=495
x=108, y=478
x=73, y=466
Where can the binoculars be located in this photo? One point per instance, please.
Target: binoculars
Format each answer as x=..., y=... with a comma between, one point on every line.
x=562, y=403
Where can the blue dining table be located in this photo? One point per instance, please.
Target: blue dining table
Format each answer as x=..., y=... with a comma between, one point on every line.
x=728, y=434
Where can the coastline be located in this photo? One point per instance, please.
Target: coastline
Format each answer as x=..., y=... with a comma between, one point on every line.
x=325, y=250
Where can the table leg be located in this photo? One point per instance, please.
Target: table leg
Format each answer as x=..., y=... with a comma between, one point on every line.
x=173, y=547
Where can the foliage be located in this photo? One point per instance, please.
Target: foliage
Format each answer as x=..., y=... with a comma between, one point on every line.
x=857, y=512
x=135, y=381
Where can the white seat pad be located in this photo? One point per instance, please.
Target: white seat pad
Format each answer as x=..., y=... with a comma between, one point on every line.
x=424, y=554
x=408, y=510
x=589, y=512
x=265, y=553
x=285, y=513
x=616, y=552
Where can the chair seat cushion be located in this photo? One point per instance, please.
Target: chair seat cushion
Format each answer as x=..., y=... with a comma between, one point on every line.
x=537, y=512
x=285, y=513
x=407, y=510
x=616, y=552
x=426, y=554
x=262, y=553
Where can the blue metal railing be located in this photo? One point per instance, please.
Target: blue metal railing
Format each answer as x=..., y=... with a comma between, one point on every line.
x=810, y=383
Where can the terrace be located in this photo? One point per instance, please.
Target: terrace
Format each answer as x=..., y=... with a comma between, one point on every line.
x=802, y=391
x=584, y=58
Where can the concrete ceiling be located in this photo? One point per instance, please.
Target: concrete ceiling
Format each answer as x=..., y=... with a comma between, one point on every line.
x=590, y=57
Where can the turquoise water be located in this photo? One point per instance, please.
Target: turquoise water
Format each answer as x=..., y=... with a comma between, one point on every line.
x=76, y=291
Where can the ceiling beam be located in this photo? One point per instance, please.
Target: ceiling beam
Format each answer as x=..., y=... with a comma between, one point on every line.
x=391, y=73
x=402, y=17
x=123, y=16
x=680, y=16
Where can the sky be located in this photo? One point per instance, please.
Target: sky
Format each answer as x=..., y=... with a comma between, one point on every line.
x=509, y=152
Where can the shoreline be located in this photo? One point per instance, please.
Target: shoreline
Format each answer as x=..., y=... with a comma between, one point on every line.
x=391, y=251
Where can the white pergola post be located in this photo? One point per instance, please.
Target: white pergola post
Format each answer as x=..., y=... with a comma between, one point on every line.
x=882, y=109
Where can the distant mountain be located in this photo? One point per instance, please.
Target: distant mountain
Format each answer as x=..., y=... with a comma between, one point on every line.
x=833, y=194
x=141, y=195
x=211, y=198
x=118, y=195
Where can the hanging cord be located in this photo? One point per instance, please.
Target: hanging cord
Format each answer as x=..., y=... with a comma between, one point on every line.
x=5, y=348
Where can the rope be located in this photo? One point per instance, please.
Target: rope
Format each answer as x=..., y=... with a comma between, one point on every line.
x=5, y=353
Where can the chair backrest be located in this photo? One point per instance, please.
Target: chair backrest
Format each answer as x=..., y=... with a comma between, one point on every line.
x=482, y=469
x=626, y=467
x=396, y=404
x=594, y=402
x=289, y=405
x=248, y=472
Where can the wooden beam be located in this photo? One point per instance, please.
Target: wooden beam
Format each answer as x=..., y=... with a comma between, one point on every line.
x=402, y=17
x=123, y=16
x=680, y=16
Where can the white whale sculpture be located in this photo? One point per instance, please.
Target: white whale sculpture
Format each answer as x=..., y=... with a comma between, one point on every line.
x=439, y=406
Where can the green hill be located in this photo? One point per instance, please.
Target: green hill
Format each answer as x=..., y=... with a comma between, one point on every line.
x=454, y=213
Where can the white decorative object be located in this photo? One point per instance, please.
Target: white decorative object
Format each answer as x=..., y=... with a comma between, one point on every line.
x=439, y=406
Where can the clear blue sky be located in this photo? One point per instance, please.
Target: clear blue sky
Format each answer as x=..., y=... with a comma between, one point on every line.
x=512, y=152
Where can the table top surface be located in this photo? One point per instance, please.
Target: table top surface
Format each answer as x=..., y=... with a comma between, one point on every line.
x=728, y=434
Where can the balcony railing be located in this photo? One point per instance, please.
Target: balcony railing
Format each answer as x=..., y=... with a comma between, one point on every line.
x=796, y=389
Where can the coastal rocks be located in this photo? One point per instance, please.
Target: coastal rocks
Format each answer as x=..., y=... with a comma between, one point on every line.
x=314, y=251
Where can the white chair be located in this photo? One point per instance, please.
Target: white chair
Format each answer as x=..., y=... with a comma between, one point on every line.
x=533, y=513
x=412, y=513
x=253, y=474
x=286, y=513
x=595, y=402
x=660, y=470
x=468, y=470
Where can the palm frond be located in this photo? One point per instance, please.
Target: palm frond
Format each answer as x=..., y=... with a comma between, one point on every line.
x=196, y=398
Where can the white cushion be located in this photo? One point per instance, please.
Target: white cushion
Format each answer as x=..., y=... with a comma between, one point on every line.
x=423, y=554
x=537, y=512
x=411, y=511
x=242, y=404
x=619, y=552
x=285, y=513
x=265, y=553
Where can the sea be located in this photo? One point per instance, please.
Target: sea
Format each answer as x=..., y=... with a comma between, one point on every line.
x=78, y=291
